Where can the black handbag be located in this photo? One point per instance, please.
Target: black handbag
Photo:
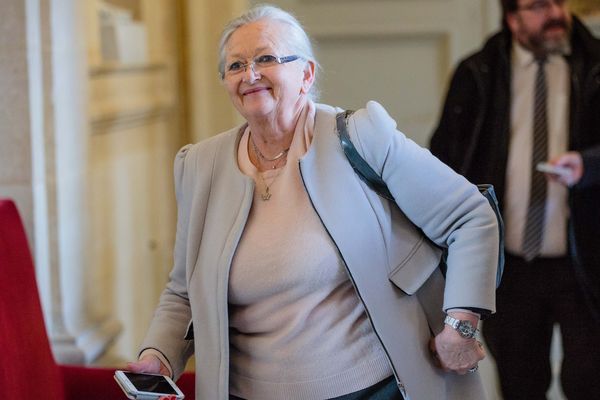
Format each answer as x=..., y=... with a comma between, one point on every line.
x=378, y=185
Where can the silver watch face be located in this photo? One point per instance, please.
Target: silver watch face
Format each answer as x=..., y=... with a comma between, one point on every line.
x=465, y=329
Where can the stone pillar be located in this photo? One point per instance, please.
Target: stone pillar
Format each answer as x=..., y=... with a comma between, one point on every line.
x=43, y=142
x=15, y=143
x=26, y=149
x=92, y=329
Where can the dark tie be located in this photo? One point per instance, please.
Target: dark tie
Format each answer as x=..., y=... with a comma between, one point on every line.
x=532, y=241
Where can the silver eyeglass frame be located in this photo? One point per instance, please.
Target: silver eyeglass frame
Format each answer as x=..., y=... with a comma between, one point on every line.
x=251, y=64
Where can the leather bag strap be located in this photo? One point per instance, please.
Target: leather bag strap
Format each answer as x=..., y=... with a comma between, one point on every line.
x=378, y=185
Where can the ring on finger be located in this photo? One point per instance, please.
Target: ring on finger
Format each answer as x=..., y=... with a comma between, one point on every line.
x=473, y=369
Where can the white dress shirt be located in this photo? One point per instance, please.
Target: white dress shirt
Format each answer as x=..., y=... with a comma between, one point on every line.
x=518, y=177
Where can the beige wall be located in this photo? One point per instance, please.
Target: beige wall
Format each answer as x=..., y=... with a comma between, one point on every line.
x=15, y=141
x=210, y=109
x=399, y=53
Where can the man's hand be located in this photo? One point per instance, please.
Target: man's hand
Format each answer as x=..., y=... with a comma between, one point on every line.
x=573, y=162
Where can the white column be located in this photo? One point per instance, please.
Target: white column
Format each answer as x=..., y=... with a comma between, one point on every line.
x=93, y=332
x=45, y=226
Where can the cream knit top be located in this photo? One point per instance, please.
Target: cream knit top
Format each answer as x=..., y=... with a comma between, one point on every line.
x=297, y=327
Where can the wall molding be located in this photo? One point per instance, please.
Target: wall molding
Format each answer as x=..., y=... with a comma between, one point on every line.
x=116, y=68
x=123, y=120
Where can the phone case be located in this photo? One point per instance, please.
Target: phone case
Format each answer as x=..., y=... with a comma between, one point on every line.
x=132, y=392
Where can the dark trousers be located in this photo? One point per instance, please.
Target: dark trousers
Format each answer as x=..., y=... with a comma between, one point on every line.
x=531, y=299
x=383, y=390
x=386, y=389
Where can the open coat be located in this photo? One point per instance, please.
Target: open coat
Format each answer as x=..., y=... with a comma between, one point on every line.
x=379, y=245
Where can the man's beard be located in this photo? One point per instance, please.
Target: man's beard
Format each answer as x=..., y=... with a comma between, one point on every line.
x=552, y=45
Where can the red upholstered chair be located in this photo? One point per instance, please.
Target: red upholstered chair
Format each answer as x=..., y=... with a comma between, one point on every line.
x=27, y=367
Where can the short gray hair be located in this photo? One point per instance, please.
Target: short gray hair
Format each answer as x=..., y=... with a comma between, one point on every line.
x=296, y=40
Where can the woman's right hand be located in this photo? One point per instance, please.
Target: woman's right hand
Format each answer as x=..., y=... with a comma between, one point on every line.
x=149, y=364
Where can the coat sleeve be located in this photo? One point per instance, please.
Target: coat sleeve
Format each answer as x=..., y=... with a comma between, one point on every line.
x=443, y=204
x=172, y=317
x=591, y=168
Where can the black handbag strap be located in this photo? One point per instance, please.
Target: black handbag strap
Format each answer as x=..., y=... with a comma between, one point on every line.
x=360, y=166
x=378, y=185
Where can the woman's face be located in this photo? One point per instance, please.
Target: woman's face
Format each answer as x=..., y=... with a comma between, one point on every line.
x=265, y=92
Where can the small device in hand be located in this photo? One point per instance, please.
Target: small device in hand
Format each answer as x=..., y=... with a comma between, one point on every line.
x=553, y=169
x=147, y=386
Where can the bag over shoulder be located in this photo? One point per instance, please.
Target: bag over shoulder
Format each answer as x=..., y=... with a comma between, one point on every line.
x=376, y=183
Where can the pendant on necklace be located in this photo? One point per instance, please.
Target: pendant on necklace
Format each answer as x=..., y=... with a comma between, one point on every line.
x=266, y=195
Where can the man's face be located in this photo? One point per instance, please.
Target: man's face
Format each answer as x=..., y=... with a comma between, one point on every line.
x=542, y=26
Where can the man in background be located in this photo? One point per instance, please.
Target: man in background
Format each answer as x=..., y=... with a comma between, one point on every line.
x=530, y=96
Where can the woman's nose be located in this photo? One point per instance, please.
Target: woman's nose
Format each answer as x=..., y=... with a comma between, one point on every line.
x=251, y=74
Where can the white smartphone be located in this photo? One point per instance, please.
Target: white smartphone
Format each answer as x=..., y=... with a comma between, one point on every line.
x=147, y=386
x=553, y=169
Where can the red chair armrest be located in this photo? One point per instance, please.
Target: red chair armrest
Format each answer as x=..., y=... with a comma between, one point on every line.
x=90, y=383
x=187, y=385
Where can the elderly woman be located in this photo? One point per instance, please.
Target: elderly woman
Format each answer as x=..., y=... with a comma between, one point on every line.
x=292, y=279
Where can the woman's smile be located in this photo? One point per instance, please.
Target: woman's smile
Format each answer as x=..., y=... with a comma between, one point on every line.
x=254, y=90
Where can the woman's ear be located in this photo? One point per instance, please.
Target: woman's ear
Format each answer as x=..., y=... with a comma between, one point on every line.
x=309, y=77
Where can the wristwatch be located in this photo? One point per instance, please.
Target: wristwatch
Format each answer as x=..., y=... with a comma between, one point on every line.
x=463, y=327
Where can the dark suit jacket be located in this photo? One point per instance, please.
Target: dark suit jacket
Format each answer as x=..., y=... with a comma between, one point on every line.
x=473, y=137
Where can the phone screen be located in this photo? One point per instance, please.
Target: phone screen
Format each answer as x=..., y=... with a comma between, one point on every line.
x=150, y=383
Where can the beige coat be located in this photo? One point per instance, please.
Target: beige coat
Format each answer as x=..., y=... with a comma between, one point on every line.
x=378, y=244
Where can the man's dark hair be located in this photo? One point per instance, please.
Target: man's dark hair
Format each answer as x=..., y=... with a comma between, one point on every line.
x=508, y=6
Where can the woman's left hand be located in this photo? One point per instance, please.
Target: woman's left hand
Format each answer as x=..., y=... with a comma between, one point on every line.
x=452, y=352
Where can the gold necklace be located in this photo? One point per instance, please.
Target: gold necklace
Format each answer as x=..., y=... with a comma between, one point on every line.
x=278, y=159
x=274, y=174
x=262, y=156
x=267, y=194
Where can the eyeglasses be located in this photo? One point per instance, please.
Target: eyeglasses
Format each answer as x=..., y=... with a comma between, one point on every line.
x=257, y=64
x=542, y=6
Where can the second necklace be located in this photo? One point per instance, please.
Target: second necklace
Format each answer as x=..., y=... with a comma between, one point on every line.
x=271, y=172
x=263, y=157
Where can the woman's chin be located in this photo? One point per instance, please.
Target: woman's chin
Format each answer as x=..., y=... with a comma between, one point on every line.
x=256, y=109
